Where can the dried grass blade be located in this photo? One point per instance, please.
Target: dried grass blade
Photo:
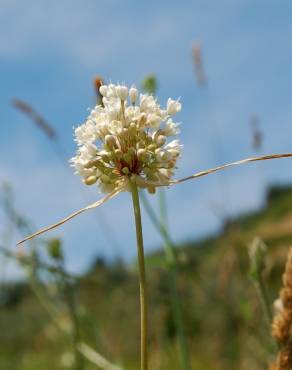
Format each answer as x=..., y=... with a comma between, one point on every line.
x=219, y=168
x=35, y=117
x=96, y=358
x=64, y=220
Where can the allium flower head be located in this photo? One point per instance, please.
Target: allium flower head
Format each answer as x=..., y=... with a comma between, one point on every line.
x=127, y=137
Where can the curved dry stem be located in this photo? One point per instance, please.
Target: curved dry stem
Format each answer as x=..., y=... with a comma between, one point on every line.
x=232, y=164
x=144, y=183
x=64, y=220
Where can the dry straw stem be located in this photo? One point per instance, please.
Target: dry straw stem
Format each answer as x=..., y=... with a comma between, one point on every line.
x=282, y=323
x=96, y=358
x=232, y=164
x=35, y=117
x=50, y=132
x=57, y=224
x=198, y=64
x=156, y=184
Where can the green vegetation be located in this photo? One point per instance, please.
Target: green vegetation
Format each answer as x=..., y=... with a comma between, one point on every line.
x=224, y=319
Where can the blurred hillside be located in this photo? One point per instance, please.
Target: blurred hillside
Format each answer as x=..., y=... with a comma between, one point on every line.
x=225, y=322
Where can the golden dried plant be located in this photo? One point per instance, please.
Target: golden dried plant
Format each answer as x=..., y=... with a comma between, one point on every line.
x=282, y=323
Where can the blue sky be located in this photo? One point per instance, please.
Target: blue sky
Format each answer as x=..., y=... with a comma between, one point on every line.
x=49, y=54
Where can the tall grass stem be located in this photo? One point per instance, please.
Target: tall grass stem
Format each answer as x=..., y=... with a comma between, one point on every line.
x=172, y=266
x=142, y=277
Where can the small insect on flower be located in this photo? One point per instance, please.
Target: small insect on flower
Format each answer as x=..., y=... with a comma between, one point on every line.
x=127, y=137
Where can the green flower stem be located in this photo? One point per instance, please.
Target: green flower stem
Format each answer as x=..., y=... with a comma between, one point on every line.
x=44, y=300
x=142, y=278
x=68, y=291
x=171, y=261
x=264, y=297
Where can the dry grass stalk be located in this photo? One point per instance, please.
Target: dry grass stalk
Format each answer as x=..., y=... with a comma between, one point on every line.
x=35, y=117
x=198, y=64
x=124, y=185
x=232, y=164
x=96, y=358
x=91, y=206
x=257, y=135
x=282, y=323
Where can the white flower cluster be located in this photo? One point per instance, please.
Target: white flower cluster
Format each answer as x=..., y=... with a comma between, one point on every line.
x=127, y=137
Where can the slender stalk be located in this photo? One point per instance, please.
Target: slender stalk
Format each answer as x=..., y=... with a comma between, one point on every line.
x=142, y=278
x=175, y=298
x=69, y=296
x=170, y=252
x=171, y=263
x=257, y=255
x=264, y=296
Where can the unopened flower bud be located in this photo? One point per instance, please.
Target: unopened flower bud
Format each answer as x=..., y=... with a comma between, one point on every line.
x=152, y=147
x=100, y=166
x=127, y=157
x=132, y=151
x=104, y=178
x=122, y=92
x=161, y=140
x=112, y=91
x=151, y=190
x=103, y=90
x=133, y=95
x=173, y=106
x=143, y=119
x=132, y=128
x=140, y=145
x=110, y=141
x=148, y=171
x=106, y=158
x=91, y=149
x=90, y=180
x=126, y=170
x=118, y=153
x=153, y=177
x=143, y=155
x=161, y=155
